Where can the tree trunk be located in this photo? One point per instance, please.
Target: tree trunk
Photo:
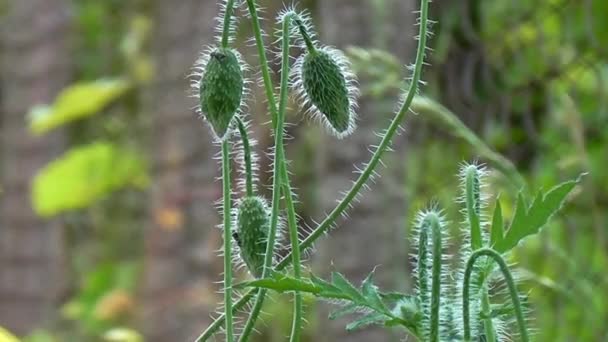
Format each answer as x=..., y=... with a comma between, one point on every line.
x=373, y=235
x=36, y=61
x=180, y=259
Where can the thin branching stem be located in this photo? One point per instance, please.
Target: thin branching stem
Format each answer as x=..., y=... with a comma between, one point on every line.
x=293, y=228
x=227, y=240
x=363, y=178
x=279, y=155
x=246, y=157
x=227, y=199
x=504, y=268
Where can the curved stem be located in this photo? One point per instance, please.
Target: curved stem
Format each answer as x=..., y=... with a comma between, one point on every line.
x=363, y=178
x=310, y=46
x=473, y=206
x=227, y=240
x=247, y=157
x=510, y=283
x=227, y=22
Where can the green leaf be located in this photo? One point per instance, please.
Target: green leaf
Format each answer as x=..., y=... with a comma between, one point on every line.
x=346, y=287
x=370, y=292
x=368, y=299
x=85, y=175
x=282, y=283
x=347, y=310
x=76, y=102
x=369, y=319
x=529, y=221
x=497, y=233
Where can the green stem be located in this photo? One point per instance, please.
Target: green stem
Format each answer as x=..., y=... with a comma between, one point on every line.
x=280, y=150
x=247, y=157
x=436, y=286
x=227, y=240
x=510, y=283
x=486, y=308
x=227, y=23
x=472, y=193
x=259, y=41
x=473, y=198
x=363, y=178
x=272, y=105
x=310, y=46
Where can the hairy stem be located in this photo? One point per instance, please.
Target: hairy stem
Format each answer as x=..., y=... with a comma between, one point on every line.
x=279, y=155
x=227, y=240
x=363, y=178
x=486, y=308
x=310, y=46
x=227, y=200
x=436, y=286
x=247, y=157
x=473, y=204
x=510, y=283
x=293, y=228
x=227, y=23
x=472, y=198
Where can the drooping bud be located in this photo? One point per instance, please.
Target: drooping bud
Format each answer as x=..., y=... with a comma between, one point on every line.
x=326, y=86
x=324, y=82
x=253, y=224
x=220, y=89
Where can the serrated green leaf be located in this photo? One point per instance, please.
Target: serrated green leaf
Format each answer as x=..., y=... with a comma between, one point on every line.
x=369, y=319
x=347, y=310
x=85, y=175
x=346, y=287
x=370, y=292
x=497, y=233
x=529, y=221
x=76, y=102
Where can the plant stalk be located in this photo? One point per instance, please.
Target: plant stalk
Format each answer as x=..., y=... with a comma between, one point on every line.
x=510, y=283
x=247, y=157
x=280, y=150
x=227, y=240
x=227, y=23
x=436, y=286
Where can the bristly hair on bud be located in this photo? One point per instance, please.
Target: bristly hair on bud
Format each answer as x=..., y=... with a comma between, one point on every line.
x=252, y=221
x=219, y=85
x=323, y=79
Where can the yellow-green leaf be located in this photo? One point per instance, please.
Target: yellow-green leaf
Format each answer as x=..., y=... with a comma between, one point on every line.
x=76, y=102
x=6, y=336
x=85, y=175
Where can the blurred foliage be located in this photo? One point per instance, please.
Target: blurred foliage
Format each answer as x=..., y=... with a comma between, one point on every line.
x=76, y=102
x=106, y=298
x=6, y=336
x=85, y=175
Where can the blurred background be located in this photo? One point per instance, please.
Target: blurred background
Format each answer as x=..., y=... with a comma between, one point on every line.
x=108, y=180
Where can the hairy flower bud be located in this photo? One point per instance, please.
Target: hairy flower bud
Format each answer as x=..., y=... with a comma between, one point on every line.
x=327, y=87
x=220, y=89
x=252, y=224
